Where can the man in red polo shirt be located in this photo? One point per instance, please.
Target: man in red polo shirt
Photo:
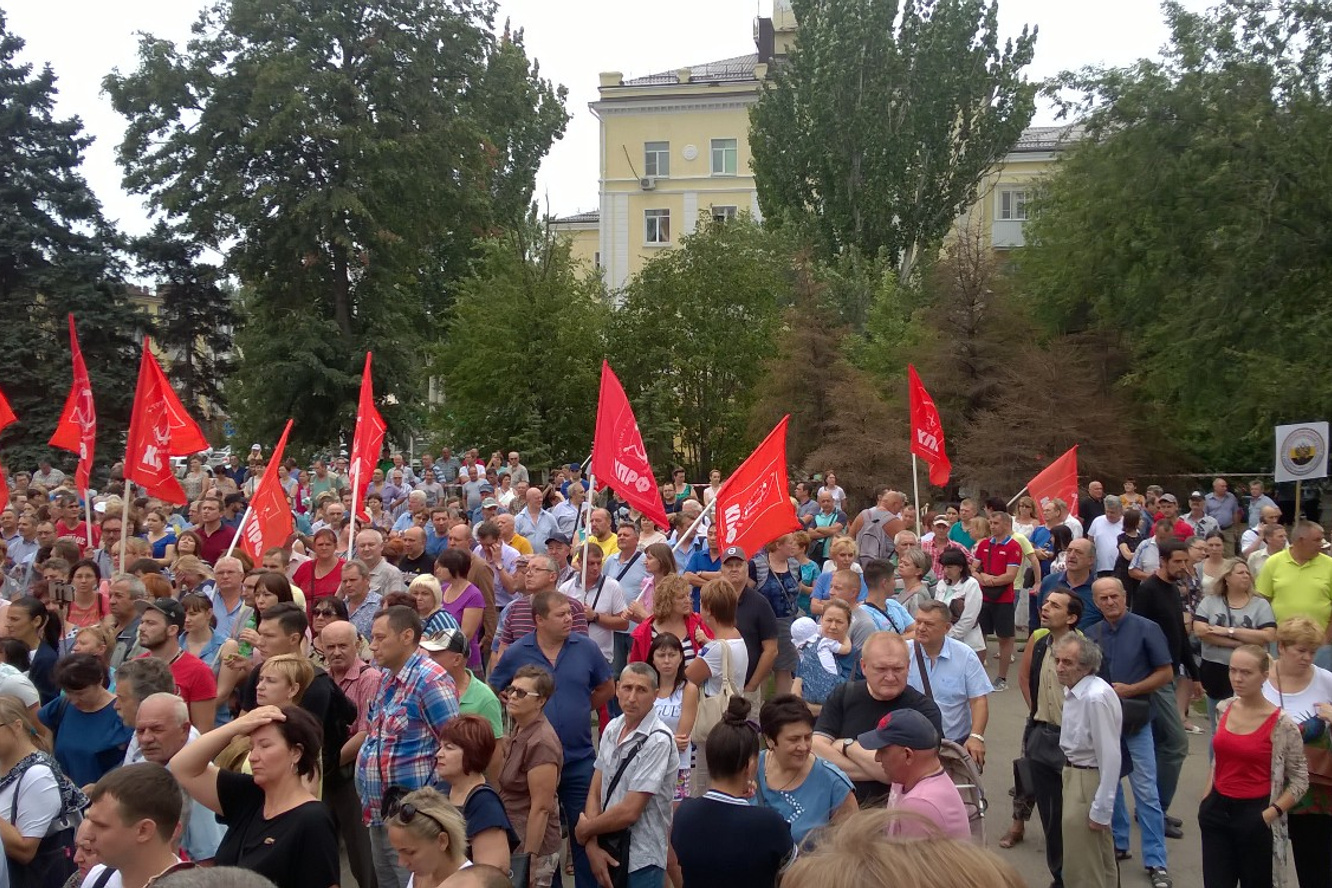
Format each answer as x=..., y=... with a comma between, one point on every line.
x=216, y=536
x=996, y=566
x=1170, y=511
x=160, y=628
x=69, y=522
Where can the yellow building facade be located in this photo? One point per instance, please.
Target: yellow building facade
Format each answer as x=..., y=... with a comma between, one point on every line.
x=674, y=149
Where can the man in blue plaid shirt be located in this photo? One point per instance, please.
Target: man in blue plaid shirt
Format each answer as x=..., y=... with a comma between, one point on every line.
x=406, y=716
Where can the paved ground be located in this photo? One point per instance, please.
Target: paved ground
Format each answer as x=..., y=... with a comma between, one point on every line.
x=1007, y=716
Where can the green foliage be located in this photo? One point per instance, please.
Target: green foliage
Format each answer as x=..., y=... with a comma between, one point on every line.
x=345, y=156
x=1193, y=226
x=521, y=364
x=880, y=125
x=689, y=340
x=197, y=317
x=57, y=255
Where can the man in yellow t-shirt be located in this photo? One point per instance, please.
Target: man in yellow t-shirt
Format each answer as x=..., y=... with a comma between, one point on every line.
x=510, y=536
x=1298, y=581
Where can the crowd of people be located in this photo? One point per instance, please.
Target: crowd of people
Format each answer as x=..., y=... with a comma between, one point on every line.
x=503, y=676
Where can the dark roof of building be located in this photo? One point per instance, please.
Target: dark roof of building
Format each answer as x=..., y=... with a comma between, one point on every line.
x=1048, y=138
x=737, y=70
x=576, y=218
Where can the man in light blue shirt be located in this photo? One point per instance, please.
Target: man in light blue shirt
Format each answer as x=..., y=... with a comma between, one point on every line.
x=1258, y=498
x=534, y=523
x=953, y=677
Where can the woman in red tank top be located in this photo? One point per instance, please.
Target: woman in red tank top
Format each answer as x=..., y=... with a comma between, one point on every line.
x=1258, y=774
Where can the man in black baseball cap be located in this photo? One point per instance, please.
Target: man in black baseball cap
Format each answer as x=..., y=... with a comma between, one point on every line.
x=757, y=623
x=906, y=746
x=160, y=631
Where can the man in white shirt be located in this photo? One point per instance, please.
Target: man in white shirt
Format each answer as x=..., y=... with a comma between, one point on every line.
x=603, y=602
x=1089, y=736
x=1104, y=533
x=133, y=814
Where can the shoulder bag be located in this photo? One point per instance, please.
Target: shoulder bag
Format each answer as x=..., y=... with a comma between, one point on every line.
x=711, y=709
x=616, y=844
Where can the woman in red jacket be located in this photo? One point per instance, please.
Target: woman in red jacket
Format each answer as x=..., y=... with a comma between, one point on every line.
x=672, y=611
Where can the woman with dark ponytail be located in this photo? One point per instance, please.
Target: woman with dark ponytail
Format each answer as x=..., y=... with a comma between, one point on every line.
x=731, y=752
x=28, y=620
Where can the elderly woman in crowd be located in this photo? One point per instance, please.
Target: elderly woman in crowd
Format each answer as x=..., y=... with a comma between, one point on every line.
x=428, y=597
x=533, y=758
x=466, y=749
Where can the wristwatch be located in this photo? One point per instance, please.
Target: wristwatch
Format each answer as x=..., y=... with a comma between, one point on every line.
x=846, y=744
x=1230, y=631
x=980, y=737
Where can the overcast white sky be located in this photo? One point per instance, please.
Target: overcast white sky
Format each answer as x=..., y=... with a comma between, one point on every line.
x=574, y=40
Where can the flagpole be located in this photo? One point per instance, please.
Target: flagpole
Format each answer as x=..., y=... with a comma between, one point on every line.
x=87, y=510
x=915, y=485
x=351, y=528
x=699, y=520
x=124, y=525
x=1018, y=494
x=587, y=529
x=240, y=528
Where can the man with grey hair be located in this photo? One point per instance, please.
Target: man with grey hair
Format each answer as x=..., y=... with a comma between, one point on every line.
x=229, y=608
x=162, y=728
x=362, y=601
x=1089, y=733
x=639, y=757
x=126, y=602
x=136, y=681
x=384, y=577
x=1104, y=532
x=416, y=503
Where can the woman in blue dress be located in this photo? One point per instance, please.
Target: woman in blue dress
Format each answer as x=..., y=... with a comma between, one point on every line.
x=806, y=790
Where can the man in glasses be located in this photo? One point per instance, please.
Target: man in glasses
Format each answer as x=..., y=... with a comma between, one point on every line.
x=132, y=817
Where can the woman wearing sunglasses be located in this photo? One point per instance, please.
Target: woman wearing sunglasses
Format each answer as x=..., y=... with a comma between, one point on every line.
x=429, y=835
x=533, y=758
x=275, y=825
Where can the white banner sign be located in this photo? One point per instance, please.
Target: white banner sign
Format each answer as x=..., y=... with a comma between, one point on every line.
x=1301, y=451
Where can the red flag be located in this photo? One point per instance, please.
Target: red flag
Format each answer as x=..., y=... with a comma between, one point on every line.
x=619, y=459
x=159, y=428
x=927, y=437
x=753, y=506
x=1058, y=480
x=270, y=522
x=77, y=429
x=367, y=441
x=6, y=417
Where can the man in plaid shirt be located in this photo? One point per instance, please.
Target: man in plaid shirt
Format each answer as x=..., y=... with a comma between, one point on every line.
x=415, y=699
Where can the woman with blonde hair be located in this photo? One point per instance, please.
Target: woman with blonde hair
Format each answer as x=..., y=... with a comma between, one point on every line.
x=658, y=564
x=1231, y=616
x=860, y=853
x=1304, y=692
x=672, y=612
x=283, y=681
x=192, y=575
x=842, y=554
x=429, y=835
x=429, y=597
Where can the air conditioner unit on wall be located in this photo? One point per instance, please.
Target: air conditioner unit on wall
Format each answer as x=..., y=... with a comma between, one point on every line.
x=647, y=183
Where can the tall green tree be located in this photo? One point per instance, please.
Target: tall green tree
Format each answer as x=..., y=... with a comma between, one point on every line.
x=197, y=318
x=57, y=255
x=690, y=337
x=345, y=155
x=877, y=129
x=521, y=363
x=1192, y=227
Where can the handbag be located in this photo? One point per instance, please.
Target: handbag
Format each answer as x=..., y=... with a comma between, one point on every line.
x=53, y=863
x=1137, y=713
x=520, y=869
x=711, y=709
x=1319, y=758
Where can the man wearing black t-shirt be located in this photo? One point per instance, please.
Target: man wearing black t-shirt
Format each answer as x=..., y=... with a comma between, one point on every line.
x=857, y=707
x=755, y=620
x=415, y=559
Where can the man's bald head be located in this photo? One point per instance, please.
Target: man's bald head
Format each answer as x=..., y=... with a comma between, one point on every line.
x=339, y=632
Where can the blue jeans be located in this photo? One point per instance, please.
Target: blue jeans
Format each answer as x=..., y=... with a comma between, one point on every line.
x=1151, y=819
x=387, y=871
x=647, y=877
x=572, y=791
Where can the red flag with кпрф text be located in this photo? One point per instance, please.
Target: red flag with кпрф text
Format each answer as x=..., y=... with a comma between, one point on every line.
x=77, y=429
x=753, y=505
x=927, y=437
x=270, y=523
x=1058, y=480
x=619, y=459
x=159, y=429
x=367, y=441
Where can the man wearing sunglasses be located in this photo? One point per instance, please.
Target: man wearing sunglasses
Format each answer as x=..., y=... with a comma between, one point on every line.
x=133, y=814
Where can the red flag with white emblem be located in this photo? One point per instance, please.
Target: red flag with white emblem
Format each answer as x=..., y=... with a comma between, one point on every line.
x=753, y=505
x=927, y=437
x=159, y=428
x=270, y=523
x=619, y=459
x=77, y=429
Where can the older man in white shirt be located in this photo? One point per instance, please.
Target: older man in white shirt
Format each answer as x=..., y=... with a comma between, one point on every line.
x=1089, y=736
x=1104, y=533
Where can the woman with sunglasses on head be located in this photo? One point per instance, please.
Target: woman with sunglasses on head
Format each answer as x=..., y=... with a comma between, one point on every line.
x=533, y=758
x=275, y=825
x=466, y=748
x=430, y=836
x=701, y=825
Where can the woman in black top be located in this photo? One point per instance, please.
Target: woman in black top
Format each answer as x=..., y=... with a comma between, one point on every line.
x=275, y=826
x=732, y=752
x=28, y=620
x=466, y=747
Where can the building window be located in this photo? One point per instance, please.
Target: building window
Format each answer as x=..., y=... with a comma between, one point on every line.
x=1013, y=205
x=596, y=260
x=725, y=157
x=658, y=226
x=723, y=214
x=657, y=159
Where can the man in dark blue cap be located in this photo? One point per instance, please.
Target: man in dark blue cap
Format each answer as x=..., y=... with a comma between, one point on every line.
x=906, y=746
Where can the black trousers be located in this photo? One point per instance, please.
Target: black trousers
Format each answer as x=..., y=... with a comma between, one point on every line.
x=1311, y=847
x=1236, y=843
x=1049, y=793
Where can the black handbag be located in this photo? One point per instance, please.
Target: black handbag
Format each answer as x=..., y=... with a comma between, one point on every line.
x=1042, y=746
x=520, y=869
x=1137, y=713
x=53, y=863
